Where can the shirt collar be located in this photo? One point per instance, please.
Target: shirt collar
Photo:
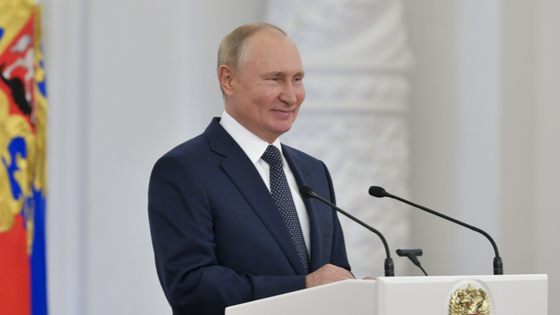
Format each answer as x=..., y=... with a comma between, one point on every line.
x=250, y=143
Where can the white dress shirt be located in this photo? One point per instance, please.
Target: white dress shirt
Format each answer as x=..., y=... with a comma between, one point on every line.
x=254, y=147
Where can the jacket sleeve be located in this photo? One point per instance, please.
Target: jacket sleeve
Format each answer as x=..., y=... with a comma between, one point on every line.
x=182, y=230
x=338, y=251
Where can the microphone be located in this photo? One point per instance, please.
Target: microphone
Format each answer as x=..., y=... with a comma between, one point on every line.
x=307, y=192
x=413, y=255
x=379, y=192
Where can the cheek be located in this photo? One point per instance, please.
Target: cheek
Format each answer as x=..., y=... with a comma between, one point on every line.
x=300, y=94
x=266, y=97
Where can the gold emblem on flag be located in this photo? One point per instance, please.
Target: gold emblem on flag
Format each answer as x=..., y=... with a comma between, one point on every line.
x=23, y=110
x=469, y=301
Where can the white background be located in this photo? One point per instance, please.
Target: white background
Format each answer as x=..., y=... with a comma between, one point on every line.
x=128, y=80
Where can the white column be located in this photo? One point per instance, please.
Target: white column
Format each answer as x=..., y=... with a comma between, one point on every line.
x=64, y=39
x=547, y=212
x=355, y=116
x=484, y=135
x=127, y=81
x=479, y=113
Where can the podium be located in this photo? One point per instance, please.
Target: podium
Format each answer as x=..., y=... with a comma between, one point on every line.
x=441, y=295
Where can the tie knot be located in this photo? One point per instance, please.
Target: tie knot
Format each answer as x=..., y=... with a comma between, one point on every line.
x=272, y=155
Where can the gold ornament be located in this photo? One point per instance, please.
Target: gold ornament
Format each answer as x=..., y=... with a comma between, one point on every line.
x=469, y=301
x=23, y=177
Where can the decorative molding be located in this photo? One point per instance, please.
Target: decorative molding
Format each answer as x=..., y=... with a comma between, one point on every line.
x=345, y=33
x=361, y=151
x=356, y=59
x=356, y=91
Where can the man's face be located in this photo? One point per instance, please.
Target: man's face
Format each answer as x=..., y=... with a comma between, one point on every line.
x=266, y=95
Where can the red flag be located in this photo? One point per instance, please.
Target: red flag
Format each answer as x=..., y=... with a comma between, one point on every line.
x=23, y=109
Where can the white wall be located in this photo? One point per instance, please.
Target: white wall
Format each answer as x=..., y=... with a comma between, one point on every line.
x=128, y=80
x=547, y=112
x=484, y=134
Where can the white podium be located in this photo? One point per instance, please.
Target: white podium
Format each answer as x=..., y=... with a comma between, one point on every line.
x=495, y=295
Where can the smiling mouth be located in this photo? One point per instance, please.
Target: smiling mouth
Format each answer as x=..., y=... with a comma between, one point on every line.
x=282, y=112
x=284, y=109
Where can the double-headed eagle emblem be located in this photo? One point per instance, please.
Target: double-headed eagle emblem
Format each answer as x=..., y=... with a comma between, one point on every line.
x=469, y=301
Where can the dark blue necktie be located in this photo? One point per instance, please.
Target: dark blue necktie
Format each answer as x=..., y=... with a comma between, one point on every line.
x=281, y=194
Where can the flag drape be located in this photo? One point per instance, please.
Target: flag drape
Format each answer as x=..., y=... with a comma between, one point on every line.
x=23, y=181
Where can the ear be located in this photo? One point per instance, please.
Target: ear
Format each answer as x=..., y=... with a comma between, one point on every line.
x=226, y=77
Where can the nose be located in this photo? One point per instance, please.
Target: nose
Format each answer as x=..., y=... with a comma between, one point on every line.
x=288, y=94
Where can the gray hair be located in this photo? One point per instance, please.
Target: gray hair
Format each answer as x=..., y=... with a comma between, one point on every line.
x=233, y=50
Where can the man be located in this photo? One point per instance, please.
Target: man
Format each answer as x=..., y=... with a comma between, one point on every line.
x=228, y=224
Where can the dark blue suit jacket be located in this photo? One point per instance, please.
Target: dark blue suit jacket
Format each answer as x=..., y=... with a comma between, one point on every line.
x=218, y=237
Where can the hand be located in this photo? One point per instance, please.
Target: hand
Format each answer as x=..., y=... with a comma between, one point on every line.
x=327, y=274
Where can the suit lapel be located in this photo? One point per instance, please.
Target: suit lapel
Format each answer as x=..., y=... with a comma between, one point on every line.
x=246, y=178
x=303, y=177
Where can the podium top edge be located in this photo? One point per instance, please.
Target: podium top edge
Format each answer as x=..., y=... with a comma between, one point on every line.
x=514, y=277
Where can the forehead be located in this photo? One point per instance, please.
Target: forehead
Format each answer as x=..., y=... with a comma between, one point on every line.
x=273, y=50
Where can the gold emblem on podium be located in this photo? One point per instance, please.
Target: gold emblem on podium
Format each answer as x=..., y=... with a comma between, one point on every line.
x=469, y=301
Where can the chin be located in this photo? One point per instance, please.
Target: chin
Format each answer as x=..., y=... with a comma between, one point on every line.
x=283, y=128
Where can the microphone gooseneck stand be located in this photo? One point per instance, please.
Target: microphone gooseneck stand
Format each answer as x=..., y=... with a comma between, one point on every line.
x=307, y=192
x=380, y=192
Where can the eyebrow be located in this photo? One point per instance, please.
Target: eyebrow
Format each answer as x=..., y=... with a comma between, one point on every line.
x=283, y=74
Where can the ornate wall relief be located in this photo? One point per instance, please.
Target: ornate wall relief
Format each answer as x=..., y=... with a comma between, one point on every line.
x=354, y=118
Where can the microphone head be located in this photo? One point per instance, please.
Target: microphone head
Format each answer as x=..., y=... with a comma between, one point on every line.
x=377, y=191
x=305, y=191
